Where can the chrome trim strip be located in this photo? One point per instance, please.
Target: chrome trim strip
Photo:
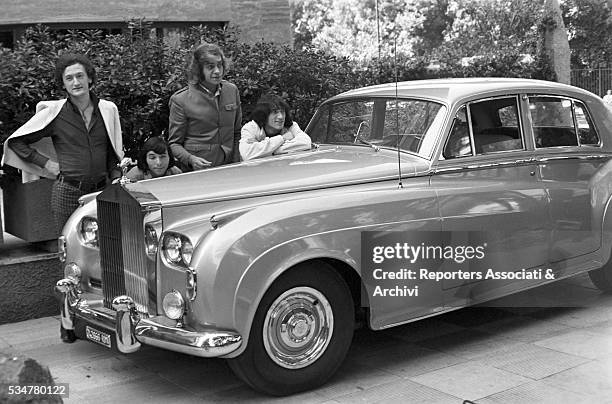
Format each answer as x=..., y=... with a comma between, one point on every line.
x=468, y=109
x=524, y=161
x=484, y=165
x=151, y=262
x=132, y=330
x=447, y=170
x=573, y=157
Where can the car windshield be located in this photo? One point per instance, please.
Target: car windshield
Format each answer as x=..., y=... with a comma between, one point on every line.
x=410, y=124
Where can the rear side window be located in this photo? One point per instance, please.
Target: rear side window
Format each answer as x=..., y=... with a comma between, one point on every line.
x=483, y=127
x=495, y=124
x=558, y=121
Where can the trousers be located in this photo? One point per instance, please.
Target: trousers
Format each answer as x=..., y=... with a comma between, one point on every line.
x=64, y=201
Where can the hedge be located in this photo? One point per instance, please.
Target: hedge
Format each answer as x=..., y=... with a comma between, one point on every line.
x=139, y=73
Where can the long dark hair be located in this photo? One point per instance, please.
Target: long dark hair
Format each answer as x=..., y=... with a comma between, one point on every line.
x=266, y=105
x=155, y=144
x=196, y=61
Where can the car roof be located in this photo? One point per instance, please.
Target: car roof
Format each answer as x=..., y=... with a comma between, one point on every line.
x=450, y=90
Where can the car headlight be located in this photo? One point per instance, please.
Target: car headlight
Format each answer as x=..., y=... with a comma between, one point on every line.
x=177, y=249
x=89, y=231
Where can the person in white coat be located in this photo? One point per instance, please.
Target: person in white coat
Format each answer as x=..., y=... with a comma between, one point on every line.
x=271, y=130
x=76, y=140
x=608, y=98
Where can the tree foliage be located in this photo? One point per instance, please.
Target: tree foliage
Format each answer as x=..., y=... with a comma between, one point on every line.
x=436, y=20
x=487, y=26
x=589, y=24
x=449, y=32
x=357, y=29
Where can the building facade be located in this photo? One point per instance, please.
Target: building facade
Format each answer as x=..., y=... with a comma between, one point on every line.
x=257, y=19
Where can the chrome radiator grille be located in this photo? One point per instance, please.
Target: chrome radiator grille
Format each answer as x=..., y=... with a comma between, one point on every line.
x=122, y=256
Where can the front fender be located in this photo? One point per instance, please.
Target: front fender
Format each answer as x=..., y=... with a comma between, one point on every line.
x=241, y=258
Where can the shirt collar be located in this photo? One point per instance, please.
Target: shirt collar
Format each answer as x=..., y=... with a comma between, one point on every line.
x=207, y=91
x=94, y=102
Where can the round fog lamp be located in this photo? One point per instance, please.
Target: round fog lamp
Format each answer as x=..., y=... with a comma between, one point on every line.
x=174, y=305
x=72, y=272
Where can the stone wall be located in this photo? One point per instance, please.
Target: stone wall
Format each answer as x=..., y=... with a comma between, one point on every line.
x=263, y=19
x=258, y=19
x=56, y=11
x=27, y=281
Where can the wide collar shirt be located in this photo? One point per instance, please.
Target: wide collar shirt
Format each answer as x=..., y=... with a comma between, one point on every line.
x=82, y=152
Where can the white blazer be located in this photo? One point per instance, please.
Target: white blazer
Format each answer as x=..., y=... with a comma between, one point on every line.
x=46, y=111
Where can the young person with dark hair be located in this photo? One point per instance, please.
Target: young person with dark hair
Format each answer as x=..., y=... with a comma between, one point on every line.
x=205, y=116
x=155, y=160
x=271, y=130
x=75, y=140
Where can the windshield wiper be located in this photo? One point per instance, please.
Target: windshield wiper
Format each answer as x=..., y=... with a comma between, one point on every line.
x=358, y=137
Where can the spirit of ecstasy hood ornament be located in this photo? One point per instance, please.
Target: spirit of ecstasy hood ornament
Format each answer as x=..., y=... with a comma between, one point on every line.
x=124, y=166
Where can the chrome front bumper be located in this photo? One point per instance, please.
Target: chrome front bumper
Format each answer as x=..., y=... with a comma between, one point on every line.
x=127, y=329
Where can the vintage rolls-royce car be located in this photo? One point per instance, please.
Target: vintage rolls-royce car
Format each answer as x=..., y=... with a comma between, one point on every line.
x=418, y=198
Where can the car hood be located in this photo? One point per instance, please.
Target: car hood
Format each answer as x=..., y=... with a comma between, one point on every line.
x=326, y=167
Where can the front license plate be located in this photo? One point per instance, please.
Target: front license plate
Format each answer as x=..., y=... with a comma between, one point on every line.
x=97, y=336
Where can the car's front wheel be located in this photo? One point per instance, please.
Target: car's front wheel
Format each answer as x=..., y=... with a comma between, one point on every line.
x=300, y=334
x=602, y=277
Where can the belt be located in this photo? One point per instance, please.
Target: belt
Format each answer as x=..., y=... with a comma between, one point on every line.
x=83, y=185
x=206, y=146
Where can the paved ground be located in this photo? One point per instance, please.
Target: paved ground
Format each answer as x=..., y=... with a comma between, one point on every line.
x=486, y=354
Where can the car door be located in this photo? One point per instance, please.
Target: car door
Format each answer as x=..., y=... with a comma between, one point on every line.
x=490, y=192
x=568, y=155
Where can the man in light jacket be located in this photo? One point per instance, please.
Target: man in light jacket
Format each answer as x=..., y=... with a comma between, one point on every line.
x=76, y=141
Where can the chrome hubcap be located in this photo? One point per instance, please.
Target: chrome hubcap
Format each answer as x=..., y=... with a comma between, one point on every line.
x=298, y=327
